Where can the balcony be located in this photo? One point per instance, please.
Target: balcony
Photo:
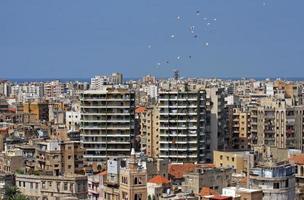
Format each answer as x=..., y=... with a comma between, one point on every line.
x=105, y=128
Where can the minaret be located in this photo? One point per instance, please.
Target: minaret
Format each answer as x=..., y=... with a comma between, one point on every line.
x=133, y=161
x=133, y=180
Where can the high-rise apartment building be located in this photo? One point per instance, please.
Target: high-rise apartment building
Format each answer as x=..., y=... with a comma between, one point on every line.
x=99, y=81
x=53, y=89
x=217, y=117
x=238, y=128
x=149, y=131
x=182, y=122
x=280, y=125
x=5, y=88
x=116, y=78
x=107, y=123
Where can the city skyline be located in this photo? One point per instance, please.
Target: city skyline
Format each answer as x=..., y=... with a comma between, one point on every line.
x=79, y=39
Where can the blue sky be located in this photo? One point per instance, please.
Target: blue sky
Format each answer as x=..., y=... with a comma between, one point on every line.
x=78, y=38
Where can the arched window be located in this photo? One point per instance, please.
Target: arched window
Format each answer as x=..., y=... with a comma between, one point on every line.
x=138, y=197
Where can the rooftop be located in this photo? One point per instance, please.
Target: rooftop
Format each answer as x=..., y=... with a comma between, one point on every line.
x=178, y=170
x=206, y=191
x=297, y=159
x=159, y=180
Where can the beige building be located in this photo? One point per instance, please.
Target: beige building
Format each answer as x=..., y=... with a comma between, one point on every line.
x=280, y=125
x=52, y=187
x=236, y=160
x=239, y=129
x=213, y=178
x=149, y=131
x=36, y=111
x=11, y=161
x=57, y=158
x=243, y=193
x=133, y=180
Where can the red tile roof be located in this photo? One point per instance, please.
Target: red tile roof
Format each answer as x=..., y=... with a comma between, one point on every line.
x=140, y=109
x=159, y=180
x=297, y=159
x=221, y=198
x=12, y=110
x=178, y=170
x=104, y=173
x=205, y=191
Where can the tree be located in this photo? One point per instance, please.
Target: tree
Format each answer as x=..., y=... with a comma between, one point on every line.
x=10, y=191
x=13, y=193
x=19, y=197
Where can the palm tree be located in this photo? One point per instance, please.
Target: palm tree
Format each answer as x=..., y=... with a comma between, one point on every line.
x=10, y=191
x=19, y=197
x=13, y=193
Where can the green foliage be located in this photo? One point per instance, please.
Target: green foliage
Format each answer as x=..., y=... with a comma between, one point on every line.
x=19, y=171
x=36, y=173
x=13, y=193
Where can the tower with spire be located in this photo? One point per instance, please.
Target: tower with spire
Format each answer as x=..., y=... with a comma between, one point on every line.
x=133, y=180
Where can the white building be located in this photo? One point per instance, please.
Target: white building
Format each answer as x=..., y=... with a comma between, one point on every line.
x=72, y=120
x=99, y=81
x=152, y=91
x=182, y=131
x=107, y=123
x=26, y=92
x=269, y=89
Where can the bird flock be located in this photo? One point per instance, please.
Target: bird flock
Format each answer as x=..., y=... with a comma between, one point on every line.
x=196, y=31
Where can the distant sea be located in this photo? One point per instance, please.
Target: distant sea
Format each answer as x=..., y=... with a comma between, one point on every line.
x=64, y=80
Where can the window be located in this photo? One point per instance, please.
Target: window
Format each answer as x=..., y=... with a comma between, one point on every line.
x=276, y=185
x=58, y=186
x=43, y=184
x=50, y=183
x=65, y=186
x=138, y=196
x=71, y=187
x=124, y=180
x=221, y=157
x=79, y=186
x=31, y=185
x=69, y=157
x=232, y=159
